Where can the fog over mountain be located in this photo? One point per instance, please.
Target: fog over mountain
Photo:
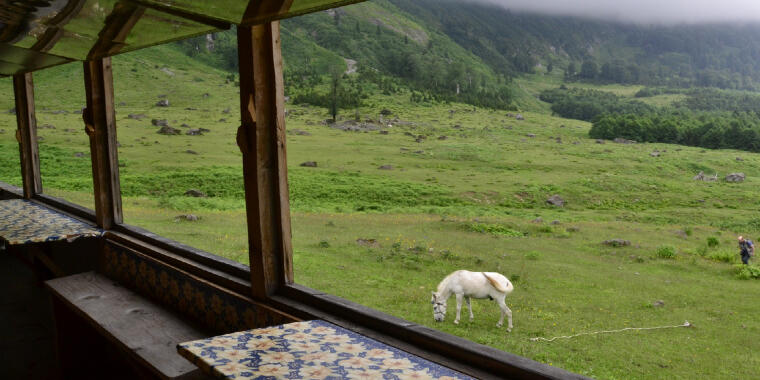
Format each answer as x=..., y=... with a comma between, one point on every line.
x=643, y=11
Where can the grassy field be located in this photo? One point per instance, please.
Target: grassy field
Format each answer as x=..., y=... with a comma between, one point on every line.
x=467, y=201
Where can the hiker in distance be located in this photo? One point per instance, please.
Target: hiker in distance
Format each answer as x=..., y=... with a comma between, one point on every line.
x=747, y=249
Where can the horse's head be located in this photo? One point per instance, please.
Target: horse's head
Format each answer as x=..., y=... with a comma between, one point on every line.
x=439, y=307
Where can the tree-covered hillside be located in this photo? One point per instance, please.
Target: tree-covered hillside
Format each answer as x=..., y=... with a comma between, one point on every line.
x=461, y=51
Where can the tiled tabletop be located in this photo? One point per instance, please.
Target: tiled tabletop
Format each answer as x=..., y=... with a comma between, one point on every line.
x=23, y=222
x=307, y=350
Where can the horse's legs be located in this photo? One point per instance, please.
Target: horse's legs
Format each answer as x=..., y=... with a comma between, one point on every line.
x=469, y=307
x=459, y=307
x=504, y=311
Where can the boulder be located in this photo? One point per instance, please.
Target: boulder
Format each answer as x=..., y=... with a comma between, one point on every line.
x=519, y=117
x=617, y=242
x=136, y=116
x=620, y=140
x=159, y=122
x=195, y=193
x=599, y=141
x=655, y=154
x=163, y=103
x=442, y=137
x=658, y=303
x=309, y=164
x=739, y=159
x=537, y=220
x=187, y=217
x=386, y=167
x=167, y=130
x=531, y=135
x=735, y=177
x=190, y=151
x=555, y=200
x=194, y=132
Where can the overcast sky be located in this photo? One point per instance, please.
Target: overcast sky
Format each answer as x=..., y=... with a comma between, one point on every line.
x=644, y=11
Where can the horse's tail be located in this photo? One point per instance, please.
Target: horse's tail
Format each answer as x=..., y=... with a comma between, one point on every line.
x=496, y=284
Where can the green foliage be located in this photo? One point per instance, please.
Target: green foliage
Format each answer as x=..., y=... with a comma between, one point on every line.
x=583, y=104
x=323, y=244
x=717, y=130
x=712, y=242
x=723, y=256
x=747, y=272
x=666, y=252
x=493, y=229
x=532, y=255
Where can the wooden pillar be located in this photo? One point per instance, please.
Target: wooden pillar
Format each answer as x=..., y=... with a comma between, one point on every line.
x=261, y=139
x=26, y=134
x=100, y=125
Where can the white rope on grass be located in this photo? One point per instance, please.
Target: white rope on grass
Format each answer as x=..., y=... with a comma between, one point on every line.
x=685, y=324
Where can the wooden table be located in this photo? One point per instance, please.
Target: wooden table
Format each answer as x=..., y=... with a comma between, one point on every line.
x=307, y=350
x=25, y=222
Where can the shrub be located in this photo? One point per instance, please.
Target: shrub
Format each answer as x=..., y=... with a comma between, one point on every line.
x=746, y=272
x=493, y=229
x=722, y=256
x=532, y=255
x=666, y=252
x=323, y=244
x=712, y=242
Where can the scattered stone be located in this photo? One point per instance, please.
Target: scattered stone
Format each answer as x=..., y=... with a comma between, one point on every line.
x=370, y=243
x=222, y=120
x=309, y=164
x=404, y=149
x=620, y=140
x=226, y=110
x=184, y=125
x=159, y=122
x=167, y=130
x=562, y=126
x=617, y=242
x=419, y=140
x=576, y=142
x=167, y=71
x=739, y=159
x=702, y=177
x=205, y=95
x=190, y=151
x=519, y=117
x=163, y=103
x=187, y=217
x=12, y=110
x=555, y=222
x=572, y=229
x=658, y=303
x=59, y=112
x=47, y=126
x=599, y=141
x=194, y=132
x=537, y=220
x=530, y=135
x=386, y=167
x=558, y=140
x=136, y=116
x=2, y=131
x=419, y=151
x=383, y=132
x=655, y=154
x=555, y=200
x=191, y=109
x=196, y=193
x=162, y=96
x=735, y=177
x=79, y=154
x=40, y=138
x=299, y=132
x=508, y=127
x=442, y=137
x=457, y=126
x=122, y=104
x=79, y=111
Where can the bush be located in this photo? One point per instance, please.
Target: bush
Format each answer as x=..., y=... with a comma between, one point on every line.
x=493, y=229
x=532, y=255
x=746, y=272
x=323, y=244
x=666, y=252
x=722, y=256
x=712, y=242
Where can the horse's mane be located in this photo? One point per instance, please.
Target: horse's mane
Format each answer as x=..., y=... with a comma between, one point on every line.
x=442, y=285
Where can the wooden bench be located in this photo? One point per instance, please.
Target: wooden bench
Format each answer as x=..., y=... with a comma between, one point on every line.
x=143, y=332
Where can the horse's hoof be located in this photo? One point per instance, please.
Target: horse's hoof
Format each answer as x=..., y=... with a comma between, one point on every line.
x=456, y=322
x=509, y=330
x=498, y=325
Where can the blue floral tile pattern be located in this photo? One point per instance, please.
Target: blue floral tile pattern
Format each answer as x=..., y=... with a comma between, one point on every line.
x=23, y=222
x=307, y=350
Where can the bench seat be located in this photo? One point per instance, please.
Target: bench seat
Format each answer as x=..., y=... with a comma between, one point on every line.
x=139, y=327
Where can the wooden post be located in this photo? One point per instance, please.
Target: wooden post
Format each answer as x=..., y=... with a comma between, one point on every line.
x=26, y=134
x=100, y=125
x=261, y=139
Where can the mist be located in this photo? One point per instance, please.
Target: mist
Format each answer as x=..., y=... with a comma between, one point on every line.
x=643, y=11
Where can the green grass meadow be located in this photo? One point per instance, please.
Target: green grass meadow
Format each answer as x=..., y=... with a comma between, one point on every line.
x=469, y=200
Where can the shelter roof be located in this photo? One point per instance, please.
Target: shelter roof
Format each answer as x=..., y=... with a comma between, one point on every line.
x=43, y=33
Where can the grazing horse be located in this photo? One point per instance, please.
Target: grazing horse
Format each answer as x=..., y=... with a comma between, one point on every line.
x=466, y=284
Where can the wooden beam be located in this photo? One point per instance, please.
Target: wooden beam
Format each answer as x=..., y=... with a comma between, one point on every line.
x=261, y=139
x=100, y=125
x=23, y=88
x=112, y=38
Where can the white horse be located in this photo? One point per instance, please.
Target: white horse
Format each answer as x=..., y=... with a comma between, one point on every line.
x=466, y=284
